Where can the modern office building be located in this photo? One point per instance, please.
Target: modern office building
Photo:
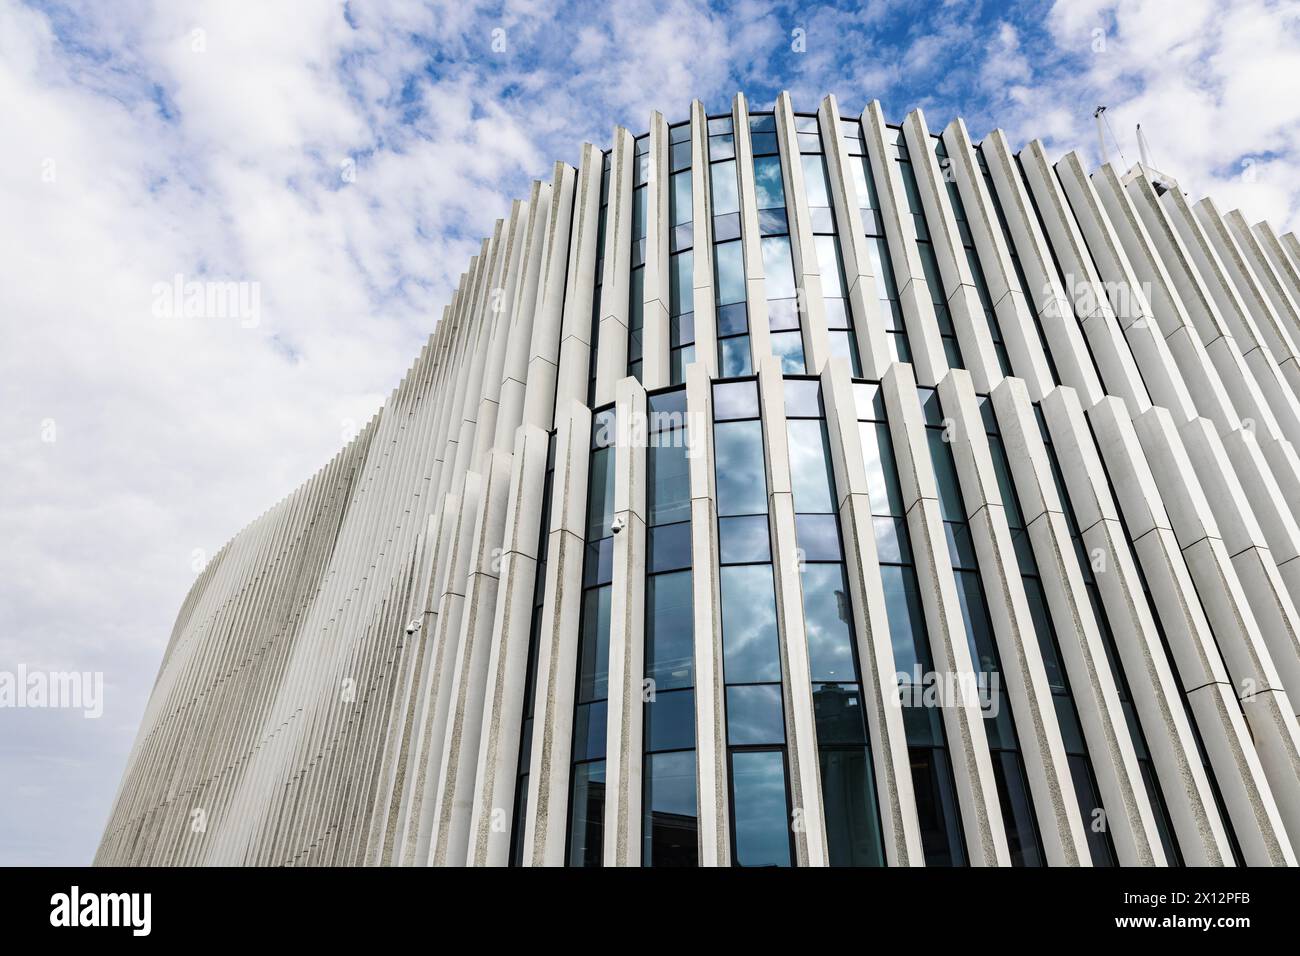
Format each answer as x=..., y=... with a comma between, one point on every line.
x=780, y=489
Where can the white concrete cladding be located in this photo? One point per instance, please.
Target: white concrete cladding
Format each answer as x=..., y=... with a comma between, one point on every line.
x=996, y=562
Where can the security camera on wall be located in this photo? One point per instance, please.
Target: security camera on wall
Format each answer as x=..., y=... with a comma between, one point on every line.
x=617, y=524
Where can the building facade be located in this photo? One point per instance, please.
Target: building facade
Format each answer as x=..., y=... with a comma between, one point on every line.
x=780, y=489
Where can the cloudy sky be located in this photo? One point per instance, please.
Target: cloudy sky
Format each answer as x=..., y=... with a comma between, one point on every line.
x=344, y=159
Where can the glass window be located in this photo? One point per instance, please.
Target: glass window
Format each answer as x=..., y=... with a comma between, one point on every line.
x=669, y=547
x=1013, y=793
x=598, y=567
x=670, y=720
x=744, y=539
x=788, y=347
x=593, y=674
x=783, y=314
x=803, y=398
x=668, y=474
x=827, y=620
x=589, y=730
x=904, y=613
x=818, y=537
x=725, y=197
x=670, y=831
x=814, y=179
x=778, y=268
x=670, y=660
x=587, y=815
x=828, y=260
x=735, y=358
x=838, y=711
x=729, y=264
x=741, y=479
x=750, y=650
x=681, y=199
x=761, y=817
x=936, y=807
x=733, y=319
x=735, y=400
x=755, y=715
x=681, y=291
x=848, y=800
x=892, y=542
x=810, y=467
x=768, y=189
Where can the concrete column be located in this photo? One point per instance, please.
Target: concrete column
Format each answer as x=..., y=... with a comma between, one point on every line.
x=1203, y=386
x=454, y=796
x=579, y=286
x=884, y=712
x=1291, y=245
x=1045, y=294
x=1244, y=540
x=557, y=653
x=1247, y=310
x=1110, y=351
x=624, y=748
x=1059, y=822
x=928, y=358
x=526, y=306
x=1129, y=817
x=977, y=795
x=706, y=316
x=1247, y=795
x=655, y=344
x=959, y=291
x=1255, y=263
x=803, y=250
x=801, y=732
x=1237, y=630
x=710, y=719
x=1202, y=838
x=615, y=287
x=445, y=641
x=1187, y=287
x=1010, y=306
x=1269, y=505
x=1274, y=252
x=1123, y=294
x=760, y=342
x=499, y=740
x=860, y=280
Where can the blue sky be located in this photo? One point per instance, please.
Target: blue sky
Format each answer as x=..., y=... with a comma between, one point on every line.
x=346, y=158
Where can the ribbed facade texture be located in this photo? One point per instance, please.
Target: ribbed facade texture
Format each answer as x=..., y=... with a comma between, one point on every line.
x=780, y=489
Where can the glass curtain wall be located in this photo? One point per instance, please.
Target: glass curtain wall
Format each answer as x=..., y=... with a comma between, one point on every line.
x=591, y=693
x=898, y=149
x=972, y=259
x=882, y=265
x=927, y=744
x=783, y=304
x=734, y=355
x=681, y=255
x=761, y=824
x=853, y=830
x=1004, y=746
x=670, y=827
x=530, y=675
x=1084, y=777
x=636, y=280
x=839, y=315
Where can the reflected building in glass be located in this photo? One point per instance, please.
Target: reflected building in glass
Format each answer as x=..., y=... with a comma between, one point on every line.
x=780, y=489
